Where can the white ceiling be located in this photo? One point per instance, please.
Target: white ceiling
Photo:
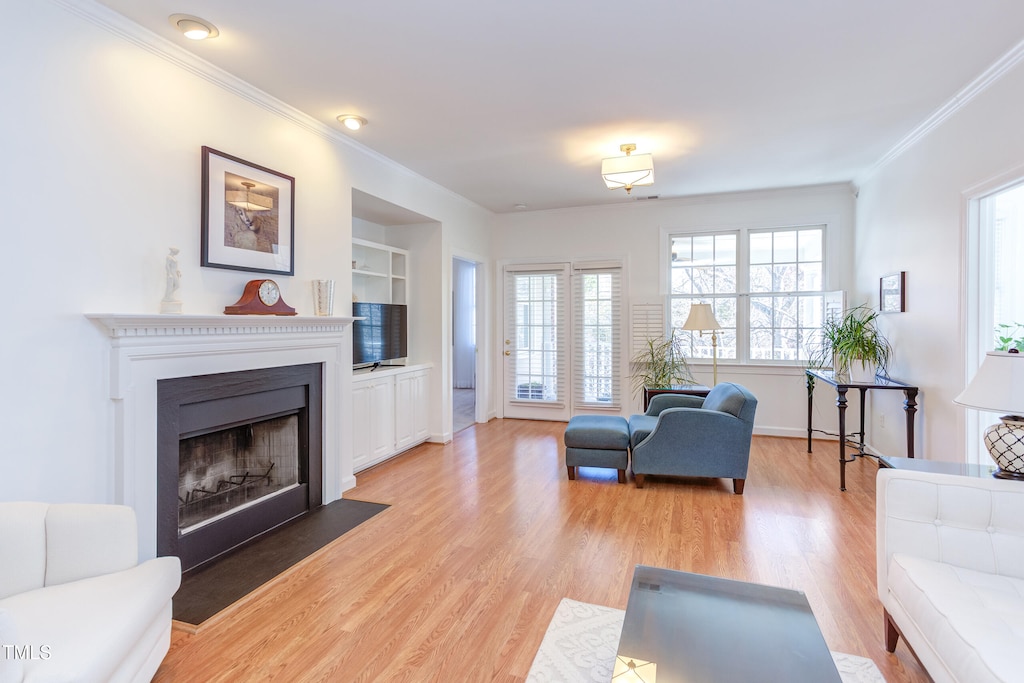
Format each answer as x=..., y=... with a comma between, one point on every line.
x=518, y=102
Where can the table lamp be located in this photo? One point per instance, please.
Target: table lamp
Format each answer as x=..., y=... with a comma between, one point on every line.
x=998, y=387
x=702, y=318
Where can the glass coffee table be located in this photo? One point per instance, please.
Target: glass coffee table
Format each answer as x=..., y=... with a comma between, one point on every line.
x=704, y=629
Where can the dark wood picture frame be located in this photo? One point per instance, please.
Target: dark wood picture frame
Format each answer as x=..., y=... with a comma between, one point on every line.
x=892, y=292
x=248, y=220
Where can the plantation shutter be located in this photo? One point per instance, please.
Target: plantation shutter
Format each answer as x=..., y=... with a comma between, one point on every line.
x=537, y=345
x=597, y=335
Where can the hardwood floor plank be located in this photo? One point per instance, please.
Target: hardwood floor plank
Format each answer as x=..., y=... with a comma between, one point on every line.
x=459, y=578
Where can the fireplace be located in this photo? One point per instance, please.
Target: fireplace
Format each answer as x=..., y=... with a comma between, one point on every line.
x=146, y=349
x=238, y=454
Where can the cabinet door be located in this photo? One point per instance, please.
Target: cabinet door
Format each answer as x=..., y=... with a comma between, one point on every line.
x=361, y=431
x=406, y=405
x=421, y=428
x=382, y=418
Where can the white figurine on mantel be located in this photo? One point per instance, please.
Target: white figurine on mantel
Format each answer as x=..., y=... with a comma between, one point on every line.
x=170, y=303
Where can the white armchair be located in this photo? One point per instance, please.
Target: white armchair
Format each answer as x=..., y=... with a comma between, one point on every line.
x=950, y=553
x=75, y=605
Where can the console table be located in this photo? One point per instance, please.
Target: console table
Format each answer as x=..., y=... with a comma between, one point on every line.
x=842, y=386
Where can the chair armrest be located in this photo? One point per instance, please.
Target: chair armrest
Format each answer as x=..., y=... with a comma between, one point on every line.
x=662, y=402
x=970, y=522
x=697, y=431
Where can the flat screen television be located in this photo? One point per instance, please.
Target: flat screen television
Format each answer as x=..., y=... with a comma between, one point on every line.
x=382, y=336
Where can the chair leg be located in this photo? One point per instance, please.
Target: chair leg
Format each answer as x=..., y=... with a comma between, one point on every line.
x=622, y=476
x=737, y=486
x=572, y=472
x=639, y=480
x=892, y=634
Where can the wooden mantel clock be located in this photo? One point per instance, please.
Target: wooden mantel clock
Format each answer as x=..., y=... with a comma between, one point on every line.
x=260, y=297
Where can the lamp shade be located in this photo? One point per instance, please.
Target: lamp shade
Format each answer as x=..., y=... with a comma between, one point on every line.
x=627, y=171
x=701, y=318
x=998, y=386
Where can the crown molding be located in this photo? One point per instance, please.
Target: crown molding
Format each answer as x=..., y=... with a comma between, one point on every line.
x=968, y=93
x=126, y=29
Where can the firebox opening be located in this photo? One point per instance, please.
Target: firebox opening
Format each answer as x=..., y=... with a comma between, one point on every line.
x=238, y=454
x=229, y=469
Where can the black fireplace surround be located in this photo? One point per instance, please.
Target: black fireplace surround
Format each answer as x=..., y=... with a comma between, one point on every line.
x=193, y=406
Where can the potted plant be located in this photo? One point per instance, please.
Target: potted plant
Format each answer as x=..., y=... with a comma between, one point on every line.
x=1007, y=338
x=660, y=364
x=853, y=345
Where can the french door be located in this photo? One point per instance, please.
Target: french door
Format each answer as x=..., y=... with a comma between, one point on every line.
x=562, y=344
x=535, y=345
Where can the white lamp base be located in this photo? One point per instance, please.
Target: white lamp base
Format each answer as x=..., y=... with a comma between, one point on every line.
x=1005, y=443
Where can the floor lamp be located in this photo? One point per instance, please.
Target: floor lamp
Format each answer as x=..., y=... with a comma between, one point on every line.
x=702, y=318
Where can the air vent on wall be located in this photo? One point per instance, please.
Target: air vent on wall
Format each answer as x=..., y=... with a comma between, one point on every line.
x=650, y=196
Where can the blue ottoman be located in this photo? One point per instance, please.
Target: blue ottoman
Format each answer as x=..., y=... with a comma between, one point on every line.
x=597, y=441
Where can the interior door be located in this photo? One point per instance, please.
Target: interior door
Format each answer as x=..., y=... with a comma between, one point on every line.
x=535, y=346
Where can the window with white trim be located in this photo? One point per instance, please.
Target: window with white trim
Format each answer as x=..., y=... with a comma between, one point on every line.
x=766, y=287
x=597, y=337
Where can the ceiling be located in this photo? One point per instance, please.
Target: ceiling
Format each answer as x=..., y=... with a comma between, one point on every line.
x=517, y=102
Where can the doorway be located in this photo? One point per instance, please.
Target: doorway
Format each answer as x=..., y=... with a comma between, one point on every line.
x=464, y=344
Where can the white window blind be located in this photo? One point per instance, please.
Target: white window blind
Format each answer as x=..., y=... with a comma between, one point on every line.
x=536, y=308
x=597, y=335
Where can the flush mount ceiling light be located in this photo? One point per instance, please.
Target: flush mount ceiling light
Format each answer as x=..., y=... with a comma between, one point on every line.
x=193, y=27
x=352, y=122
x=628, y=171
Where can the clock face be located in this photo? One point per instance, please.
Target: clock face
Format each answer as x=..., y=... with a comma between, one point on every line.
x=269, y=293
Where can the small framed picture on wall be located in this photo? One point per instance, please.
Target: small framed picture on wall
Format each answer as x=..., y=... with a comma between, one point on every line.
x=892, y=292
x=248, y=216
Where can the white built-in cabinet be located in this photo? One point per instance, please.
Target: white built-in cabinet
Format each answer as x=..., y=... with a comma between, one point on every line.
x=379, y=273
x=389, y=413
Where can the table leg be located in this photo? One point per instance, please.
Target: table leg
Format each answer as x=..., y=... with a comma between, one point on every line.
x=863, y=435
x=810, y=409
x=910, y=406
x=841, y=404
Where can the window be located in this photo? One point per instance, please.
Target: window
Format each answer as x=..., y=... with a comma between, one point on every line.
x=597, y=295
x=1003, y=240
x=786, y=293
x=995, y=292
x=704, y=269
x=766, y=287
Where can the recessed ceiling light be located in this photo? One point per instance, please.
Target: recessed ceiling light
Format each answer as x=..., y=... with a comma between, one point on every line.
x=520, y=206
x=352, y=122
x=193, y=27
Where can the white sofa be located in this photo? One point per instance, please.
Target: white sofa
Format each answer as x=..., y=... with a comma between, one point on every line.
x=951, y=572
x=75, y=605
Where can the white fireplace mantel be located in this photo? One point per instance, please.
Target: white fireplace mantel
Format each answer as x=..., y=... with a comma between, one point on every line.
x=145, y=349
x=129, y=325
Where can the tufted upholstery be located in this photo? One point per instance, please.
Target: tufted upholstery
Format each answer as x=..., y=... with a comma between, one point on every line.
x=950, y=563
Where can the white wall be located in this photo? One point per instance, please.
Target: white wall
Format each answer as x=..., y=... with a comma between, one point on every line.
x=633, y=231
x=910, y=216
x=102, y=127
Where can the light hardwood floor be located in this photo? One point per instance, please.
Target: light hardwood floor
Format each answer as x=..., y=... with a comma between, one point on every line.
x=458, y=579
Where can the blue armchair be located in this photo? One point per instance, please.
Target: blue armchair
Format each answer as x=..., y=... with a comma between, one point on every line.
x=689, y=436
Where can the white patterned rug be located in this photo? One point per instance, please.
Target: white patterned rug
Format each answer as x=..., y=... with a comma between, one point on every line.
x=580, y=644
